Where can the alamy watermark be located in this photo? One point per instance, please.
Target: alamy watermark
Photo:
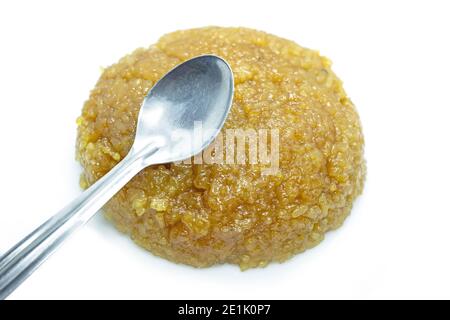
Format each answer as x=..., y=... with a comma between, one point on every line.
x=236, y=147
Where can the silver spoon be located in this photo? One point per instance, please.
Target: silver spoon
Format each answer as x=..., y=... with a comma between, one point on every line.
x=198, y=91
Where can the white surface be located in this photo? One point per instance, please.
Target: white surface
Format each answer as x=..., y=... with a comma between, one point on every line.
x=393, y=57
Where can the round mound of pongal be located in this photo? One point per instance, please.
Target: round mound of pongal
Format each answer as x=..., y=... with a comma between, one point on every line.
x=206, y=214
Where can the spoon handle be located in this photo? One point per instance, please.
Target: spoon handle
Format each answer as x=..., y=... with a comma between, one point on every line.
x=21, y=260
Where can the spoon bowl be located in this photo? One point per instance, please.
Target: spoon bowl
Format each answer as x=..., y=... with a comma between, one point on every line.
x=185, y=110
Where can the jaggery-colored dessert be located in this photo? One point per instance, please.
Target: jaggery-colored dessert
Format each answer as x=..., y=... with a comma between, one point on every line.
x=206, y=214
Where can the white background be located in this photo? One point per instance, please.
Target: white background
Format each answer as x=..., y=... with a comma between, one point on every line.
x=394, y=59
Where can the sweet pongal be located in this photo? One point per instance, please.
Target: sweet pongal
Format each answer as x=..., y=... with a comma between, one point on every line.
x=206, y=214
